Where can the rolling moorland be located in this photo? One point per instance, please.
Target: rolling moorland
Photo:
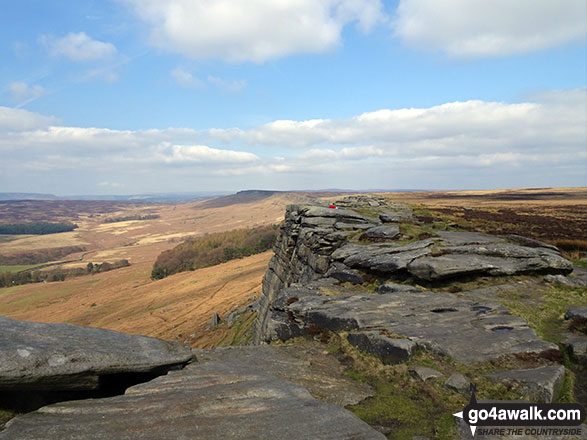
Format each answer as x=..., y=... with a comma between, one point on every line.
x=180, y=306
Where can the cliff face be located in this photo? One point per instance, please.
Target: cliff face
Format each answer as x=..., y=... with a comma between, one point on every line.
x=303, y=252
x=374, y=279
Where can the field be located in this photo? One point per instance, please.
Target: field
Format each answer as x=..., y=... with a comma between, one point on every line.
x=180, y=306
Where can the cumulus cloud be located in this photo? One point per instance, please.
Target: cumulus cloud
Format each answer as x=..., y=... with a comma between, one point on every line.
x=255, y=30
x=78, y=47
x=554, y=119
x=481, y=28
x=542, y=141
x=14, y=120
x=190, y=154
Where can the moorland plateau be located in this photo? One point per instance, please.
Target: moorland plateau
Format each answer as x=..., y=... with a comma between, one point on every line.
x=379, y=315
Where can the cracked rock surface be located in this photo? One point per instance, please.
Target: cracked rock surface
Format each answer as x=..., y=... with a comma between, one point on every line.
x=36, y=356
x=221, y=397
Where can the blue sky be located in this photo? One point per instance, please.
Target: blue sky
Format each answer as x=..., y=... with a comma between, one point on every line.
x=134, y=96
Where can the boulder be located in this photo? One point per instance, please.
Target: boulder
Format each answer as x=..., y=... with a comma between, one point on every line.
x=57, y=357
x=567, y=281
x=540, y=385
x=424, y=373
x=389, y=350
x=398, y=215
x=214, y=321
x=459, y=383
x=401, y=288
x=344, y=274
x=384, y=232
x=576, y=313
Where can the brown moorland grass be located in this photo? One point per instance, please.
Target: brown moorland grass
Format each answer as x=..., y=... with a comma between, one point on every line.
x=178, y=307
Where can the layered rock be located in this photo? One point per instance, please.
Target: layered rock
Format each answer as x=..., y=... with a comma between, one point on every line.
x=311, y=249
x=222, y=397
x=60, y=357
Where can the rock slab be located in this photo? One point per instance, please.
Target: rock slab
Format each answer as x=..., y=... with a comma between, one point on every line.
x=215, y=399
x=541, y=385
x=56, y=357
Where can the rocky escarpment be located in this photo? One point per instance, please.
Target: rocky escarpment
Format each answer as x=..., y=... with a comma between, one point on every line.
x=357, y=273
x=343, y=245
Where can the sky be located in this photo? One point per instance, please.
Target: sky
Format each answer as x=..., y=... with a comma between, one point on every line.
x=157, y=96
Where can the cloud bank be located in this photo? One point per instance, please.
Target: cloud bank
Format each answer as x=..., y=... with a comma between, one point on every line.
x=481, y=28
x=453, y=145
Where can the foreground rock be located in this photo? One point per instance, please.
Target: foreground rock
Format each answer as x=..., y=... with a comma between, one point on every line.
x=220, y=398
x=541, y=385
x=58, y=357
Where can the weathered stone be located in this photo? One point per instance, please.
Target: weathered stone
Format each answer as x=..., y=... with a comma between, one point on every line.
x=345, y=215
x=385, y=232
x=344, y=274
x=389, y=350
x=318, y=222
x=401, y=288
x=440, y=322
x=576, y=313
x=309, y=366
x=459, y=383
x=353, y=226
x=214, y=321
x=35, y=356
x=540, y=385
x=462, y=238
x=577, y=347
x=216, y=399
x=530, y=242
x=567, y=281
x=492, y=260
x=424, y=373
x=398, y=215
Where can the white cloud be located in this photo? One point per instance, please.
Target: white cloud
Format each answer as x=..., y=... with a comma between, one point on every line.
x=481, y=28
x=186, y=79
x=254, y=30
x=23, y=92
x=78, y=47
x=14, y=120
x=555, y=119
x=540, y=142
x=227, y=86
x=110, y=185
x=189, y=154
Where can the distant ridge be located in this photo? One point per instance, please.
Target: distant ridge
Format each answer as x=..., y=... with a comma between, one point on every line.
x=148, y=198
x=240, y=197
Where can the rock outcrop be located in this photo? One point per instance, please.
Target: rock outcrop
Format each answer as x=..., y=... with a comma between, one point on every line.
x=302, y=288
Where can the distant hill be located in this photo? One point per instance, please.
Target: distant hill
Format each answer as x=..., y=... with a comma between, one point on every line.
x=148, y=198
x=27, y=196
x=240, y=197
